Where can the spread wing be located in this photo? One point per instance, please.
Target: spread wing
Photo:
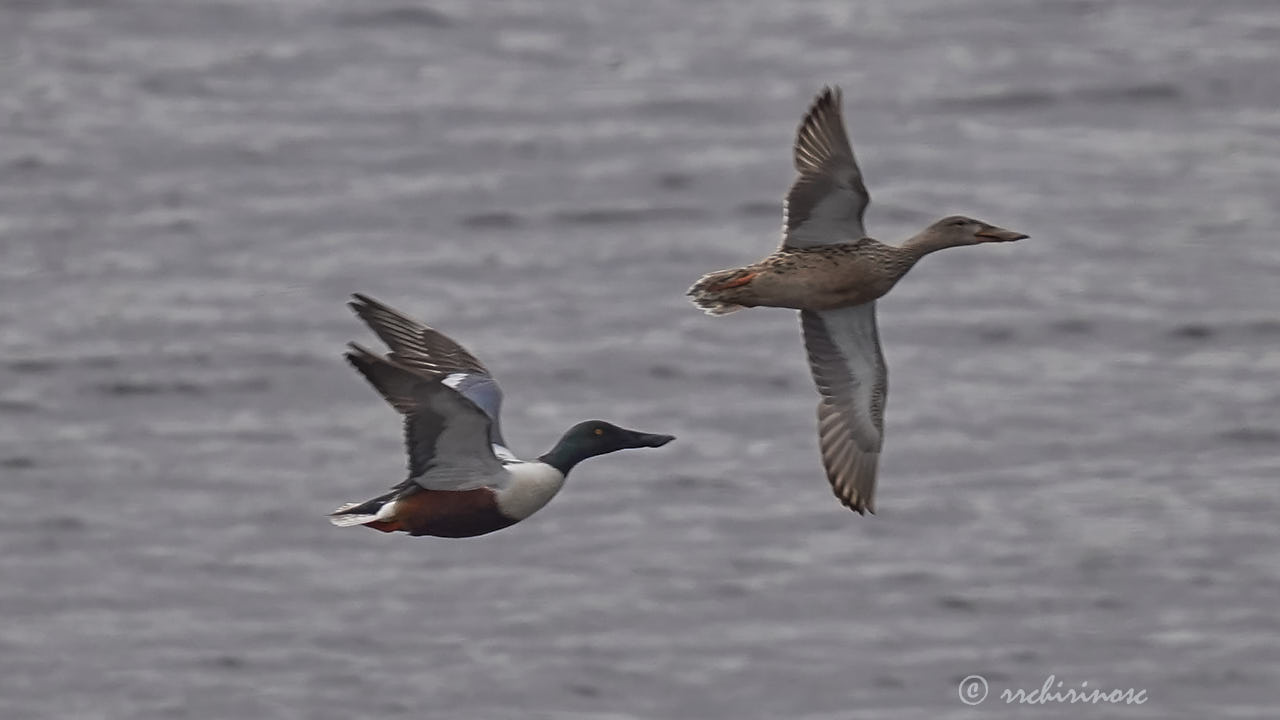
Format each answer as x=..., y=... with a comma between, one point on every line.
x=848, y=368
x=445, y=434
x=434, y=354
x=826, y=202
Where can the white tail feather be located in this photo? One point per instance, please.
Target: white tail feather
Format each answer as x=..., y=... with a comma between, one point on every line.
x=342, y=518
x=719, y=308
x=707, y=300
x=352, y=520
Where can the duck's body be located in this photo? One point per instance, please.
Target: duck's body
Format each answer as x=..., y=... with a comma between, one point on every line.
x=816, y=278
x=463, y=480
x=833, y=273
x=519, y=490
x=442, y=513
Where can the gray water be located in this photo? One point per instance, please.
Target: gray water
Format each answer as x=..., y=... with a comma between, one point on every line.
x=1079, y=476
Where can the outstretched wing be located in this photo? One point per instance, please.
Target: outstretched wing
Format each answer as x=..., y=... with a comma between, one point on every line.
x=415, y=345
x=848, y=368
x=446, y=435
x=434, y=354
x=826, y=202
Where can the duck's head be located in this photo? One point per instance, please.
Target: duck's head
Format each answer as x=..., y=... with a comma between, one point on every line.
x=961, y=230
x=597, y=437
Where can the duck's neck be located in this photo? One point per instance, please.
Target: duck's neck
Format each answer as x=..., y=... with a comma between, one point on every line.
x=926, y=242
x=564, y=456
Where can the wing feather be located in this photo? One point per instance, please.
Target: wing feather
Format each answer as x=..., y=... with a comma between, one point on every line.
x=415, y=345
x=826, y=202
x=446, y=435
x=849, y=371
x=433, y=354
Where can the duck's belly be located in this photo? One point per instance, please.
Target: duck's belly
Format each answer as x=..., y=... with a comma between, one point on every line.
x=451, y=513
x=467, y=513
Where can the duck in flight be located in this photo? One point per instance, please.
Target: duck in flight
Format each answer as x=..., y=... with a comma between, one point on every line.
x=463, y=481
x=829, y=270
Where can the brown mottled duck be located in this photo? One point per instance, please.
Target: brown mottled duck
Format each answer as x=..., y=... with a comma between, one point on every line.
x=829, y=270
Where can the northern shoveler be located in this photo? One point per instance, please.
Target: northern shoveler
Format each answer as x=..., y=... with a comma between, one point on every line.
x=463, y=481
x=833, y=273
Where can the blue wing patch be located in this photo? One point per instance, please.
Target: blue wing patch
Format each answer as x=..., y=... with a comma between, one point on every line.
x=485, y=393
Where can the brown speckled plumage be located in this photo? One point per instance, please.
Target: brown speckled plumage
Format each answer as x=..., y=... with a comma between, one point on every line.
x=814, y=278
x=833, y=273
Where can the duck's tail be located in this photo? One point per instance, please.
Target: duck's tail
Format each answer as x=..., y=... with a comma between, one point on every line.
x=714, y=291
x=370, y=512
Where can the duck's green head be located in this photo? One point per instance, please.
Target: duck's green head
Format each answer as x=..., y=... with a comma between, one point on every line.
x=597, y=437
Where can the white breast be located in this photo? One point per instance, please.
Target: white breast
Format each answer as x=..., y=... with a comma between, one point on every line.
x=532, y=485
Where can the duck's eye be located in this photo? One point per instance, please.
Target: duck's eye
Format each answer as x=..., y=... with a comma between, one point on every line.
x=599, y=431
x=958, y=222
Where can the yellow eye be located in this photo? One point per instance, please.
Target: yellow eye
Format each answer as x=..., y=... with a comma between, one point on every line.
x=599, y=431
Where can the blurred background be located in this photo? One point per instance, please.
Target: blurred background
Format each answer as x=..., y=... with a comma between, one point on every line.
x=1079, y=475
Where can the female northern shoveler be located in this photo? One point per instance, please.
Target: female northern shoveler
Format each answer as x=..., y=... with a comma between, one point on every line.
x=833, y=273
x=463, y=481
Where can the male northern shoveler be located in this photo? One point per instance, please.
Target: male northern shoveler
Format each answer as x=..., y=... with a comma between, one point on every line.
x=463, y=481
x=833, y=273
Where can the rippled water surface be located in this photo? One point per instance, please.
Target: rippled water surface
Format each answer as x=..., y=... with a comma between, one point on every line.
x=1079, y=477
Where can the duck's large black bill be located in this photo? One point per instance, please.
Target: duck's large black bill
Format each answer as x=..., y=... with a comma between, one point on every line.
x=639, y=440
